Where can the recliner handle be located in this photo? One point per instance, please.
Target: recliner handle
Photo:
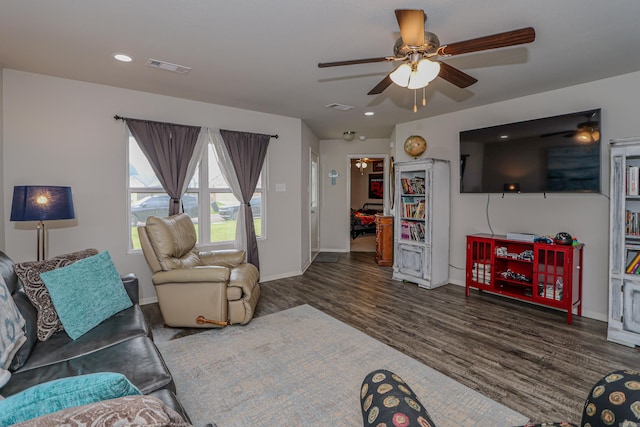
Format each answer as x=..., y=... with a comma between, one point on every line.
x=201, y=320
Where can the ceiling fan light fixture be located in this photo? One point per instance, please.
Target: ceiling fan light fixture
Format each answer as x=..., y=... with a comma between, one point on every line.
x=424, y=73
x=361, y=164
x=417, y=81
x=428, y=70
x=588, y=135
x=401, y=75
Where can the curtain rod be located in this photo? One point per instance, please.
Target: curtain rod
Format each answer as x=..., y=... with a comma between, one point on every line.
x=117, y=117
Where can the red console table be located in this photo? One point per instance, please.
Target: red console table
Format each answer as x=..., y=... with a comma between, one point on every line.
x=541, y=273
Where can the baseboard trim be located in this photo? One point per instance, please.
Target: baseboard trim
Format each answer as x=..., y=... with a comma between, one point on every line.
x=280, y=276
x=150, y=300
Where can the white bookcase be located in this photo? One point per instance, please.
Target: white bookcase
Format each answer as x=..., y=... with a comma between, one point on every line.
x=421, y=227
x=624, y=241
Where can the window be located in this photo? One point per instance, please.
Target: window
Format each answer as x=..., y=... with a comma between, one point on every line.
x=218, y=215
x=224, y=206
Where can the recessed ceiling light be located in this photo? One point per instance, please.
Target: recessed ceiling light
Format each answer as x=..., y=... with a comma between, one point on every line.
x=369, y=113
x=122, y=57
x=504, y=136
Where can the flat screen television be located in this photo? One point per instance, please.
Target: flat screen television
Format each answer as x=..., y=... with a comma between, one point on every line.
x=559, y=154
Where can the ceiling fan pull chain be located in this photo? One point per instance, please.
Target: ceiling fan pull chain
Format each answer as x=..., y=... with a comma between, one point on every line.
x=424, y=96
x=415, y=106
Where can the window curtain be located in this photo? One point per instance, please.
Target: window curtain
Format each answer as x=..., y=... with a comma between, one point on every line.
x=169, y=148
x=247, y=152
x=198, y=151
x=226, y=167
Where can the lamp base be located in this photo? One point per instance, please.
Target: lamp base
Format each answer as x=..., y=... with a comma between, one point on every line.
x=41, y=247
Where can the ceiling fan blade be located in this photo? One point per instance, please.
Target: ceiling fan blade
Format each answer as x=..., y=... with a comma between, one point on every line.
x=455, y=76
x=352, y=62
x=411, y=23
x=380, y=87
x=509, y=38
x=564, y=133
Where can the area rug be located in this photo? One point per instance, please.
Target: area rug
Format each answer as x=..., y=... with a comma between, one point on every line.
x=301, y=367
x=327, y=257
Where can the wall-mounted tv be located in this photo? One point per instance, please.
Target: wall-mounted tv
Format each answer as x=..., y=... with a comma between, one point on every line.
x=547, y=155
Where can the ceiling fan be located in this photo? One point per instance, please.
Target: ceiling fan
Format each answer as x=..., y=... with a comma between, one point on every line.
x=588, y=131
x=416, y=48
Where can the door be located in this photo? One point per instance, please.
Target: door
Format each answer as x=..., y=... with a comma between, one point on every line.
x=314, y=230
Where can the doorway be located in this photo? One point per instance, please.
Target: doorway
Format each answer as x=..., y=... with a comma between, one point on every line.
x=367, y=196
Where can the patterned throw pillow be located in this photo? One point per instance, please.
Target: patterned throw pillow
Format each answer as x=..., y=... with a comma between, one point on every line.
x=29, y=273
x=125, y=411
x=11, y=327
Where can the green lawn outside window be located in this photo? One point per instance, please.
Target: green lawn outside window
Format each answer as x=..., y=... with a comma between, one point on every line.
x=220, y=231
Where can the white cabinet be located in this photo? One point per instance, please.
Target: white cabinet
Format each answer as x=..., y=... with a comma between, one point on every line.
x=421, y=234
x=624, y=250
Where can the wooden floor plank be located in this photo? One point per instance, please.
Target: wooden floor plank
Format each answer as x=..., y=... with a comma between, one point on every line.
x=524, y=356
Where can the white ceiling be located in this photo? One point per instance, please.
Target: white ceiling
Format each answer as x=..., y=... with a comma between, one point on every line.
x=262, y=55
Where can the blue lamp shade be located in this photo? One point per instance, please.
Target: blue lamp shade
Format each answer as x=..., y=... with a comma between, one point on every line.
x=41, y=203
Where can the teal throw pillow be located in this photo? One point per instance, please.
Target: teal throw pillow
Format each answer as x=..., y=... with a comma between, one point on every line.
x=86, y=293
x=64, y=393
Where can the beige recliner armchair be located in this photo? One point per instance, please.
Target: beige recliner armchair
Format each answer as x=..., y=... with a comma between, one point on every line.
x=200, y=289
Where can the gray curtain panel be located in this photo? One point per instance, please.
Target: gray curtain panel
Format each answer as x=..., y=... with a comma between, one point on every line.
x=169, y=148
x=247, y=152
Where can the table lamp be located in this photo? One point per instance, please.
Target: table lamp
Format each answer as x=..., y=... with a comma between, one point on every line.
x=41, y=203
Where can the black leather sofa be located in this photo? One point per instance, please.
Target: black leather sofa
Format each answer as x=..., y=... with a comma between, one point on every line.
x=121, y=344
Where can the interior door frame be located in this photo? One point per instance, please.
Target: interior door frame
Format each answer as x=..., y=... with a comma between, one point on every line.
x=386, y=192
x=314, y=156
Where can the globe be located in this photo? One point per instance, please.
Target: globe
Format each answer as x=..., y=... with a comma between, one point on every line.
x=415, y=145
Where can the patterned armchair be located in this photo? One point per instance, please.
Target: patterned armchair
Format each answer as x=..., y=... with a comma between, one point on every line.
x=613, y=401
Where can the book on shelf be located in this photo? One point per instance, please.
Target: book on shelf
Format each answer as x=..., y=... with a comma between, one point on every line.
x=419, y=211
x=413, y=185
x=412, y=231
x=405, y=185
x=633, y=179
x=634, y=264
x=632, y=223
x=413, y=208
x=404, y=231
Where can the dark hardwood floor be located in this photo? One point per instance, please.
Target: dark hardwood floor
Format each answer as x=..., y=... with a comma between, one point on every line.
x=525, y=356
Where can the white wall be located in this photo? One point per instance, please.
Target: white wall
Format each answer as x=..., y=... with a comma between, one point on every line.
x=62, y=132
x=334, y=200
x=584, y=216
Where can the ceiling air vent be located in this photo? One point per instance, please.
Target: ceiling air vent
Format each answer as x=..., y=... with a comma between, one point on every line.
x=180, y=69
x=340, y=107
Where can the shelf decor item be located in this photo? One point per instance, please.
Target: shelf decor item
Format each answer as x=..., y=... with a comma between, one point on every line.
x=421, y=225
x=415, y=146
